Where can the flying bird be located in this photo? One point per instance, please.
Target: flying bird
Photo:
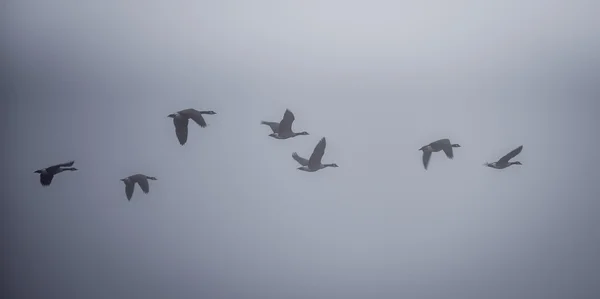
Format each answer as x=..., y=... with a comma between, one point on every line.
x=141, y=180
x=283, y=129
x=48, y=173
x=436, y=146
x=314, y=162
x=181, y=120
x=504, y=161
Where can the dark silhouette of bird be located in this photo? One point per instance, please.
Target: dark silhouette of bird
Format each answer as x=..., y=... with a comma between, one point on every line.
x=181, y=120
x=140, y=179
x=314, y=162
x=48, y=173
x=505, y=161
x=283, y=129
x=436, y=146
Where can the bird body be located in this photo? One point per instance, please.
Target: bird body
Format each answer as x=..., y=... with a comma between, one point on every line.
x=314, y=162
x=283, y=129
x=436, y=146
x=505, y=160
x=48, y=173
x=181, y=120
x=141, y=180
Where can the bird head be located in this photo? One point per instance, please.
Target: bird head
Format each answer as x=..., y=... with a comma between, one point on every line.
x=516, y=163
x=303, y=133
x=210, y=112
x=334, y=165
x=38, y=171
x=172, y=115
x=456, y=145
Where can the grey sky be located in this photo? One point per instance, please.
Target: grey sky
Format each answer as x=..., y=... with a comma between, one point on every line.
x=231, y=217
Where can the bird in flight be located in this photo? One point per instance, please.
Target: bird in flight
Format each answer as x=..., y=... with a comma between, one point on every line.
x=505, y=161
x=181, y=120
x=48, y=173
x=314, y=162
x=283, y=129
x=140, y=179
x=436, y=146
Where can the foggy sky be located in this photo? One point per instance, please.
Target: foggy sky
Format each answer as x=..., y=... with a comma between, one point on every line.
x=230, y=216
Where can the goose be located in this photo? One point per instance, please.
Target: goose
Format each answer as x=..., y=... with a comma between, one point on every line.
x=48, y=173
x=504, y=161
x=314, y=162
x=283, y=129
x=141, y=180
x=436, y=146
x=181, y=120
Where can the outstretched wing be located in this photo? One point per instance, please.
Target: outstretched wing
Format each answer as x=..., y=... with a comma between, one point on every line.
x=129, y=190
x=274, y=126
x=299, y=159
x=426, y=157
x=53, y=168
x=195, y=115
x=181, y=130
x=285, y=126
x=448, y=151
x=143, y=182
x=315, y=159
x=46, y=179
x=510, y=155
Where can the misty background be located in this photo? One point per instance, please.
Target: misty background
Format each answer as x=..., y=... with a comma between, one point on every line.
x=230, y=215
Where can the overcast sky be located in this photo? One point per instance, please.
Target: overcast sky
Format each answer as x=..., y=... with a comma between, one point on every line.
x=230, y=216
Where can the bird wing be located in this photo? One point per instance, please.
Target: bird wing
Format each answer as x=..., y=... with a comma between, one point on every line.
x=426, y=157
x=143, y=182
x=274, y=126
x=181, y=129
x=129, y=190
x=315, y=159
x=195, y=115
x=510, y=155
x=300, y=160
x=45, y=180
x=448, y=151
x=286, y=123
x=53, y=168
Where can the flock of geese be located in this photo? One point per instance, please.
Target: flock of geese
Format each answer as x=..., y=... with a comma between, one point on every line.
x=281, y=130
